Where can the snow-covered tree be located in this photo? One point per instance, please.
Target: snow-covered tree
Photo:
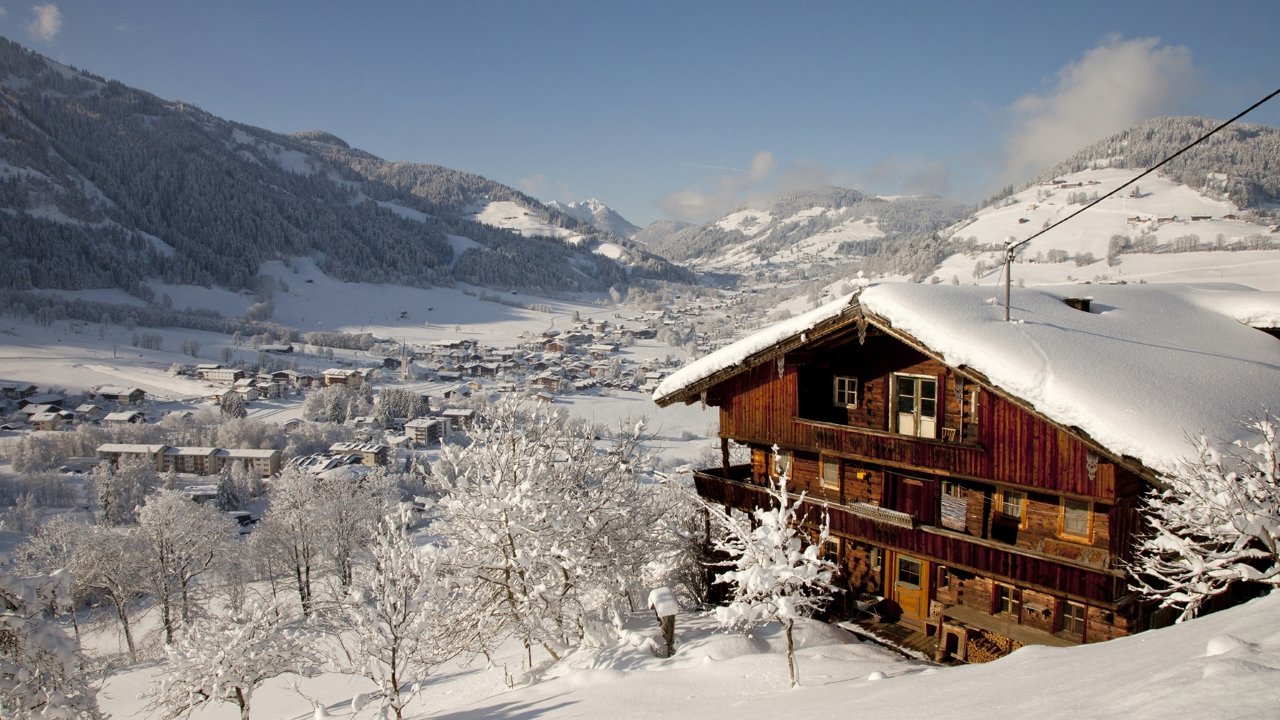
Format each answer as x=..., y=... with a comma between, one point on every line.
x=776, y=571
x=548, y=528
x=112, y=562
x=122, y=488
x=225, y=658
x=1215, y=524
x=229, y=495
x=40, y=673
x=288, y=529
x=180, y=540
x=347, y=510
x=23, y=517
x=53, y=548
x=404, y=617
x=232, y=405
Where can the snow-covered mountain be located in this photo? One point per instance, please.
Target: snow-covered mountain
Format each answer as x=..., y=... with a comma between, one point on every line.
x=599, y=215
x=103, y=185
x=826, y=226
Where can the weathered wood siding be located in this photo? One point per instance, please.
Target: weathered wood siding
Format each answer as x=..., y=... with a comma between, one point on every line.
x=1009, y=444
x=1095, y=585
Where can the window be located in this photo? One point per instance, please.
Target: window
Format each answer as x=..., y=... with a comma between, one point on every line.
x=1077, y=518
x=1071, y=619
x=845, y=391
x=830, y=478
x=781, y=461
x=831, y=550
x=1004, y=600
x=909, y=571
x=916, y=405
x=1013, y=504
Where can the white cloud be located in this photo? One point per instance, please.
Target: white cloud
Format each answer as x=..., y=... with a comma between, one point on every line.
x=720, y=193
x=546, y=189
x=3, y=12
x=1112, y=87
x=46, y=22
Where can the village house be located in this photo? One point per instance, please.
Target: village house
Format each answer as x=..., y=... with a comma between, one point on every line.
x=983, y=477
x=50, y=420
x=115, y=452
x=17, y=390
x=341, y=376
x=193, y=460
x=88, y=412
x=124, y=417
x=264, y=462
x=218, y=374
x=459, y=417
x=122, y=395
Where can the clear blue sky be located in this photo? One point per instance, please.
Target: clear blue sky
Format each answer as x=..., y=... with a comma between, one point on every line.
x=683, y=109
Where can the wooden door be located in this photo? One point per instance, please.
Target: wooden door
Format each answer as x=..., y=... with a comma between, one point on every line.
x=909, y=588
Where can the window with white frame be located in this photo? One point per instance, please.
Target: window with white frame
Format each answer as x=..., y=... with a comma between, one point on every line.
x=845, y=391
x=915, y=405
x=1005, y=599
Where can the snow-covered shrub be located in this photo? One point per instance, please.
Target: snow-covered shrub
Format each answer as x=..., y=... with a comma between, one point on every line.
x=777, y=573
x=1214, y=525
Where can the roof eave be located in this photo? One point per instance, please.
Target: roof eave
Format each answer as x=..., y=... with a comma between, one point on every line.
x=692, y=392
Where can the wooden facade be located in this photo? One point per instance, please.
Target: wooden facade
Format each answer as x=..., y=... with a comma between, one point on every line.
x=976, y=519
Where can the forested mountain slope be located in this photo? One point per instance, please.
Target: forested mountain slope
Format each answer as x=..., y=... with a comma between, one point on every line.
x=102, y=185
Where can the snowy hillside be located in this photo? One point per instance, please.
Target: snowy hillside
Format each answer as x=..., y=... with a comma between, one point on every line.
x=1223, y=666
x=1158, y=230
x=512, y=216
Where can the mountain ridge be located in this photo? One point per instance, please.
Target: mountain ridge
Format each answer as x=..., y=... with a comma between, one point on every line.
x=103, y=185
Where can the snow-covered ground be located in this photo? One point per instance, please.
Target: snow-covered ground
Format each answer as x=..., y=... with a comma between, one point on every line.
x=1225, y=665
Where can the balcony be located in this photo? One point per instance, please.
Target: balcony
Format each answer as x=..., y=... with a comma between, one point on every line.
x=902, y=532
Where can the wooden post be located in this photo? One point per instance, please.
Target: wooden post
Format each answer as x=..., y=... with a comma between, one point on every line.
x=724, y=456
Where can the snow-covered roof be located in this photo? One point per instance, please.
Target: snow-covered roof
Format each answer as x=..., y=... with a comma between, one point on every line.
x=739, y=352
x=1149, y=367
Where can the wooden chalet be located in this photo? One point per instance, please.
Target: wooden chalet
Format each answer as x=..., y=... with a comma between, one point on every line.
x=981, y=505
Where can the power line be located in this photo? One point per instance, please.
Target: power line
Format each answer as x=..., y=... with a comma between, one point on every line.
x=1009, y=250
